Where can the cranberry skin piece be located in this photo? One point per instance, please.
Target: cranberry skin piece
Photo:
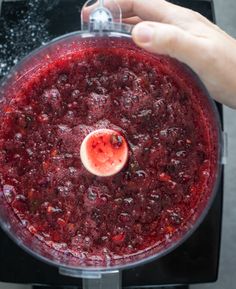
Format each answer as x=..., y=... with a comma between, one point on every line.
x=118, y=239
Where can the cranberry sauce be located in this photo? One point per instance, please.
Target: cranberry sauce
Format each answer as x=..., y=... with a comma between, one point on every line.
x=172, y=161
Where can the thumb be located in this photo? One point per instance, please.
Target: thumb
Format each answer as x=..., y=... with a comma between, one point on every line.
x=166, y=39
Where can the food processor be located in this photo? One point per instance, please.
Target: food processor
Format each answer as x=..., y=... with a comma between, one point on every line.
x=103, y=23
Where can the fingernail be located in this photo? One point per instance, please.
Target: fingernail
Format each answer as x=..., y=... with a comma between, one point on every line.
x=143, y=33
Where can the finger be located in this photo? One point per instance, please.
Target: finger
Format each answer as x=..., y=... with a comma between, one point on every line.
x=167, y=39
x=157, y=10
x=132, y=20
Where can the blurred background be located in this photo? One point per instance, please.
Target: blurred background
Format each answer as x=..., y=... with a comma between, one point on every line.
x=226, y=19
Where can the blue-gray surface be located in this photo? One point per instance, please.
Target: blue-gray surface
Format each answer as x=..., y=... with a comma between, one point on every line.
x=226, y=18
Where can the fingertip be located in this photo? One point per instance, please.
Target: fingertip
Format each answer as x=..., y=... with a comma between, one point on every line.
x=163, y=38
x=143, y=34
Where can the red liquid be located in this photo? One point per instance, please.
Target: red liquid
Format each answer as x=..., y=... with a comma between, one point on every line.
x=171, y=168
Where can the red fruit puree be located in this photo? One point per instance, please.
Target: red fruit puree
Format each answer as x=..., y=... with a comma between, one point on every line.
x=171, y=167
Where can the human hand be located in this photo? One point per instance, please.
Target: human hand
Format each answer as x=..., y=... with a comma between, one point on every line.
x=165, y=28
